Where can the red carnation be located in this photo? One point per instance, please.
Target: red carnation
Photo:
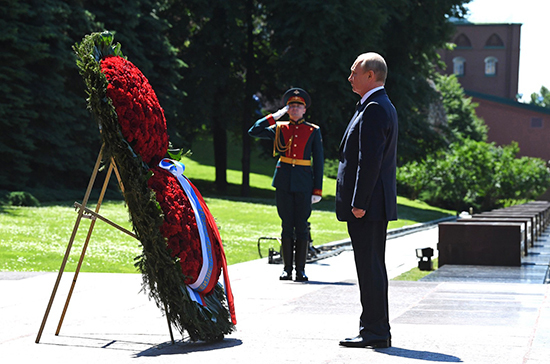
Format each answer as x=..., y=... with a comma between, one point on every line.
x=139, y=114
x=180, y=225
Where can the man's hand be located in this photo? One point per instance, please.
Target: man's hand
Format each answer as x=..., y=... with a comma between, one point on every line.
x=358, y=213
x=277, y=115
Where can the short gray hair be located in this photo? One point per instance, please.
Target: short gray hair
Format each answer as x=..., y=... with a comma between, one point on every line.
x=374, y=62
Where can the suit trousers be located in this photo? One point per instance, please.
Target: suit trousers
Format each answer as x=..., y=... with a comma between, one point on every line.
x=294, y=209
x=368, y=239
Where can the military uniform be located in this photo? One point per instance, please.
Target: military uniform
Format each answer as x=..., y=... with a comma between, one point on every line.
x=296, y=177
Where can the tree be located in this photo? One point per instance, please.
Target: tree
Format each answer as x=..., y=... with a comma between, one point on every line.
x=314, y=51
x=306, y=48
x=249, y=88
x=213, y=40
x=46, y=130
x=460, y=111
x=409, y=40
x=18, y=44
x=233, y=51
x=541, y=99
x=48, y=137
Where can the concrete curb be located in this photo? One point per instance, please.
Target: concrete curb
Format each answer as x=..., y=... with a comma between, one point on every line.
x=394, y=233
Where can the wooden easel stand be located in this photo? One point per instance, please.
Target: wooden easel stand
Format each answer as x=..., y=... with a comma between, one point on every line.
x=84, y=212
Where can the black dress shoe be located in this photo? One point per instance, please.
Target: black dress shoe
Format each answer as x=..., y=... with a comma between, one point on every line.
x=286, y=276
x=360, y=342
x=301, y=276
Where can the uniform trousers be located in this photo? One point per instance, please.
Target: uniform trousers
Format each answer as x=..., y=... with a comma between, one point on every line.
x=294, y=209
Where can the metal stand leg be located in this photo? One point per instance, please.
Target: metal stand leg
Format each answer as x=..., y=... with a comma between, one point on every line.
x=82, y=210
x=69, y=246
x=90, y=230
x=169, y=326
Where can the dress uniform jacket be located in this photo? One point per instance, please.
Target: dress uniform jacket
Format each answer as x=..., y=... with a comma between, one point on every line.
x=304, y=143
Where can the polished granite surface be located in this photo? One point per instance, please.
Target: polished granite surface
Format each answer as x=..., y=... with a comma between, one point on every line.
x=534, y=268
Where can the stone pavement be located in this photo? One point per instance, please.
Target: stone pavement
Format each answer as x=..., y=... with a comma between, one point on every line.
x=457, y=315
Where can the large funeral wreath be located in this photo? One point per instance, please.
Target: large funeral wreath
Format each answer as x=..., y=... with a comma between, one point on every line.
x=166, y=216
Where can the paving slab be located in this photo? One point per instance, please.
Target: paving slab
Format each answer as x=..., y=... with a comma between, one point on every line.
x=533, y=274
x=110, y=321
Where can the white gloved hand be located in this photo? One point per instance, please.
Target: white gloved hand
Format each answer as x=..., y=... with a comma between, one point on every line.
x=315, y=199
x=277, y=115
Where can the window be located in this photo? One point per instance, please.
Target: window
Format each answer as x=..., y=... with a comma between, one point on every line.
x=491, y=66
x=459, y=66
x=462, y=41
x=536, y=123
x=494, y=41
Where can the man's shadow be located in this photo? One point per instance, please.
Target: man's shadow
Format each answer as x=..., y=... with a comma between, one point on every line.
x=326, y=283
x=420, y=355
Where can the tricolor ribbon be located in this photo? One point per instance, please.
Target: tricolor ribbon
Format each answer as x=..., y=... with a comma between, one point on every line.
x=204, y=283
x=205, y=274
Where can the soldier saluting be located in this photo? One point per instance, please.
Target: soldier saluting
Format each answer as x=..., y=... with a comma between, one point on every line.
x=298, y=177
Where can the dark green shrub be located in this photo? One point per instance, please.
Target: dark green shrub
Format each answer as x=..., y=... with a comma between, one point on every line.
x=331, y=168
x=22, y=198
x=474, y=174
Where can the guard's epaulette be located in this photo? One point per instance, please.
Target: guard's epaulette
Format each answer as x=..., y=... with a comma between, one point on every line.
x=311, y=124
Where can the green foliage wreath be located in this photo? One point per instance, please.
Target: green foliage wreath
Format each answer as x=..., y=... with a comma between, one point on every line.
x=162, y=273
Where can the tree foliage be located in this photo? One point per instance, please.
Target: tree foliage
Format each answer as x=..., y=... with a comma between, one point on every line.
x=214, y=52
x=459, y=109
x=474, y=174
x=206, y=60
x=47, y=134
x=471, y=172
x=42, y=111
x=542, y=98
x=411, y=36
x=15, y=105
x=315, y=51
x=314, y=48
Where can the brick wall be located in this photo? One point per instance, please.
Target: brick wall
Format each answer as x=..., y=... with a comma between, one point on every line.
x=516, y=122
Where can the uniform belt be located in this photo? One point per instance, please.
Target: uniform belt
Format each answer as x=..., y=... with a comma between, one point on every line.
x=295, y=162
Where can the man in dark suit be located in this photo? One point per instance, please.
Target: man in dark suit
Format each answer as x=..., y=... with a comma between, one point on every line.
x=298, y=179
x=366, y=195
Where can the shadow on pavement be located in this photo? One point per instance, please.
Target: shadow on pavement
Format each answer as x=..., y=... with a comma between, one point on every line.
x=184, y=347
x=421, y=355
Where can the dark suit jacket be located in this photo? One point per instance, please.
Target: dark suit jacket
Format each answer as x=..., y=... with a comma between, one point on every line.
x=368, y=152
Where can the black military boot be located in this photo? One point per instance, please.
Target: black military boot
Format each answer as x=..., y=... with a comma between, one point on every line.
x=287, y=250
x=301, y=255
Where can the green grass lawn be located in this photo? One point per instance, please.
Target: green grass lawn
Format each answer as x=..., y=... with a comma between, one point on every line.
x=35, y=238
x=415, y=274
